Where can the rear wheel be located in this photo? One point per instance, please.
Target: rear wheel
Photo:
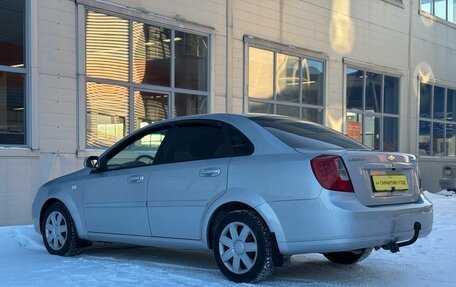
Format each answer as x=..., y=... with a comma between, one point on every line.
x=243, y=247
x=349, y=257
x=59, y=231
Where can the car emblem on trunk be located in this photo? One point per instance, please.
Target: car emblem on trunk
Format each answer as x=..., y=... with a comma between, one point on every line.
x=391, y=157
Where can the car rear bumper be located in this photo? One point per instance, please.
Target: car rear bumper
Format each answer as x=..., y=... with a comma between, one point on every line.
x=337, y=221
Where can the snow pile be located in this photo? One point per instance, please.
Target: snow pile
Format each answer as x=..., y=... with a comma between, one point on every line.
x=429, y=262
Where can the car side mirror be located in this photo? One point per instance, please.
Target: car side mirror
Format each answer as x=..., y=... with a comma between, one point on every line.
x=92, y=162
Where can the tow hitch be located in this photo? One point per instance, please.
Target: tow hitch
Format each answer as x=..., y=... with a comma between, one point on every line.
x=394, y=246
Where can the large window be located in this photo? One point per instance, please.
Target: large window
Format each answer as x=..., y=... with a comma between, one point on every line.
x=284, y=84
x=373, y=108
x=444, y=9
x=437, y=134
x=12, y=73
x=138, y=73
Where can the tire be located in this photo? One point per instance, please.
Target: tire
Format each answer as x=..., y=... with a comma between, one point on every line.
x=59, y=231
x=245, y=256
x=348, y=257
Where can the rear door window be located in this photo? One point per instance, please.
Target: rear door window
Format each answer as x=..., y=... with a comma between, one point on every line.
x=197, y=142
x=301, y=134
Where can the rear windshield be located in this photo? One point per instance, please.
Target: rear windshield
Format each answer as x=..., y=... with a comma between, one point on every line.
x=300, y=134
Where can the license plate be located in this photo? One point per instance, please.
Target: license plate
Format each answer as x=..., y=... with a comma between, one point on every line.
x=390, y=182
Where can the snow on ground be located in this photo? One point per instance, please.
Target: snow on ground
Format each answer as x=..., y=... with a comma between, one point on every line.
x=429, y=262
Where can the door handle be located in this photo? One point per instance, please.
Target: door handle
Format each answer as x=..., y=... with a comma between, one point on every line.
x=135, y=178
x=210, y=172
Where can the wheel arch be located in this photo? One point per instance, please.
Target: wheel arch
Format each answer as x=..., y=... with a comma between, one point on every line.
x=72, y=209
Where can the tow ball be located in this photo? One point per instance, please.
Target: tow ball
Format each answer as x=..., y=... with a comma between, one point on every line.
x=393, y=247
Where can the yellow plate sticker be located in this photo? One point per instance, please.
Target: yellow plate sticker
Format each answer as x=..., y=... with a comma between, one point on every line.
x=390, y=182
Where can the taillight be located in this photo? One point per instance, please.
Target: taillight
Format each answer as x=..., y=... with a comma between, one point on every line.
x=331, y=173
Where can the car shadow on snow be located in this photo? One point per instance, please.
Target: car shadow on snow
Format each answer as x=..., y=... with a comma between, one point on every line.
x=303, y=268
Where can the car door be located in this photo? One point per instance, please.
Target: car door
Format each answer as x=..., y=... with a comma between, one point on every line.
x=193, y=173
x=115, y=197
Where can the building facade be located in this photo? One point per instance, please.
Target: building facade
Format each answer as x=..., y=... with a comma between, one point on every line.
x=78, y=75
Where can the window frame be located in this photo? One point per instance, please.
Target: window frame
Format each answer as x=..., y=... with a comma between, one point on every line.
x=446, y=86
x=26, y=70
x=83, y=79
x=435, y=17
x=363, y=113
x=275, y=48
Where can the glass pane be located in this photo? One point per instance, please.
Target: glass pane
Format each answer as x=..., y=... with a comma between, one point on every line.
x=312, y=115
x=425, y=138
x=440, y=8
x=150, y=108
x=142, y=152
x=107, y=47
x=261, y=108
x=452, y=11
x=191, y=61
x=391, y=95
x=189, y=105
x=261, y=73
x=12, y=33
x=240, y=144
x=372, y=132
x=355, y=83
x=425, y=100
x=451, y=105
x=290, y=111
x=373, y=92
x=438, y=142
x=355, y=126
x=439, y=98
x=12, y=109
x=390, y=134
x=426, y=5
x=313, y=81
x=287, y=73
x=197, y=142
x=151, y=55
x=107, y=114
x=300, y=134
x=450, y=140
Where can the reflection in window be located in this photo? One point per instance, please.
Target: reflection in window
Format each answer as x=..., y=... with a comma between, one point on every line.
x=150, y=108
x=291, y=111
x=107, y=48
x=355, y=86
x=439, y=102
x=390, y=134
x=390, y=95
x=438, y=142
x=425, y=100
x=261, y=74
x=424, y=139
x=107, y=114
x=312, y=82
x=440, y=7
x=292, y=74
x=372, y=132
x=12, y=33
x=151, y=55
x=368, y=109
x=191, y=61
x=287, y=71
x=451, y=105
x=189, y=105
x=450, y=140
x=261, y=108
x=12, y=107
x=373, y=92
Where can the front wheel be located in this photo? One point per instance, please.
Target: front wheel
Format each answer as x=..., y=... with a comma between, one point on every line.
x=243, y=247
x=59, y=231
x=348, y=257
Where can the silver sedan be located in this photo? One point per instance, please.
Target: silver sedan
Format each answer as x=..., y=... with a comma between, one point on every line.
x=255, y=189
